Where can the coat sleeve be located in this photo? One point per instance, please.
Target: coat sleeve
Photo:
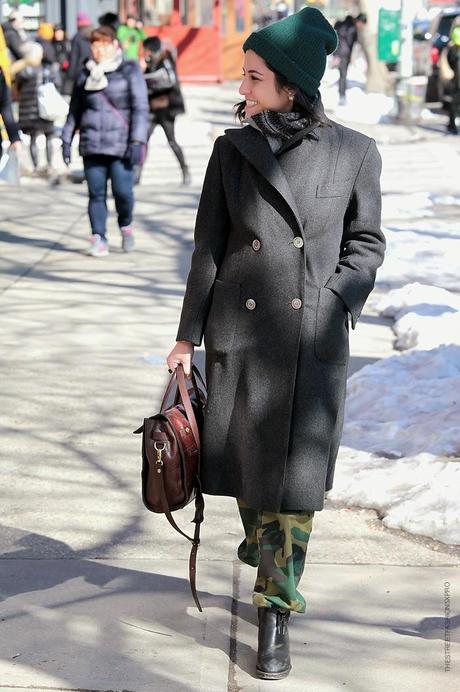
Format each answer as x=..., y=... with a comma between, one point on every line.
x=211, y=234
x=363, y=243
x=72, y=122
x=139, y=106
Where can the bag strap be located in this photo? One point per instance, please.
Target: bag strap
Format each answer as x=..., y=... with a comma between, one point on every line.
x=185, y=396
x=115, y=110
x=197, y=520
x=178, y=379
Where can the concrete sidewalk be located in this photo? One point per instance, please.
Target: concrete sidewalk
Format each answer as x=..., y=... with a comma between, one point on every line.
x=94, y=588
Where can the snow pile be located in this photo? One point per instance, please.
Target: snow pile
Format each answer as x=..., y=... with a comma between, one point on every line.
x=425, y=254
x=425, y=316
x=401, y=441
x=405, y=405
x=417, y=494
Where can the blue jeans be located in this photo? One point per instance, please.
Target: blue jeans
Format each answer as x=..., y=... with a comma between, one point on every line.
x=98, y=169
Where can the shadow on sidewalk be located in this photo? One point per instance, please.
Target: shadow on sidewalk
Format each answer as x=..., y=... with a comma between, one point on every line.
x=101, y=613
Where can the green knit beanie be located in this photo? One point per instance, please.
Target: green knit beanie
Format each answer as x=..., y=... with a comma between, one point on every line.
x=296, y=47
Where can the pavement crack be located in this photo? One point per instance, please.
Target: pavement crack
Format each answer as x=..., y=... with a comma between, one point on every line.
x=232, y=685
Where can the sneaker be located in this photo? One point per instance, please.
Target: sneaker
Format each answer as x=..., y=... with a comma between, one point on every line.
x=99, y=246
x=127, y=239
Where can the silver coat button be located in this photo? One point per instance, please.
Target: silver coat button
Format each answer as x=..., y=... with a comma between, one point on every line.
x=250, y=304
x=296, y=303
x=298, y=242
x=256, y=245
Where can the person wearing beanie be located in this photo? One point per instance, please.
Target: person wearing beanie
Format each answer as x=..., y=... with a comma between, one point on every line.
x=80, y=47
x=45, y=35
x=287, y=245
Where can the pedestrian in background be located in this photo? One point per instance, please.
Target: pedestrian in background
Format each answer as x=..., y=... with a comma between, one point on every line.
x=165, y=96
x=45, y=37
x=452, y=92
x=80, y=47
x=27, y=82
x=109, y=107
x=347, y=32
x=6, y=112
x=15, y=35
x=109, y=19
x=62, y=50
x=130, y=37
x=287, y=244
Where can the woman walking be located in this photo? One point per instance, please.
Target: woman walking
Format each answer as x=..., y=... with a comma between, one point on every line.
x=109, y=108
x=28, y=80
x=165, y=96
x=287, y=244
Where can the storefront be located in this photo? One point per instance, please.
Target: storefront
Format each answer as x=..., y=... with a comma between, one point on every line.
x=207, y=33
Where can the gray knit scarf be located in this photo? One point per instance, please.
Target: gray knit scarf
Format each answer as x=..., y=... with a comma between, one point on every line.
x=278, y=127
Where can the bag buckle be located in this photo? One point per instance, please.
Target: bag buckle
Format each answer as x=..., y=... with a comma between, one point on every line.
x=159, y=448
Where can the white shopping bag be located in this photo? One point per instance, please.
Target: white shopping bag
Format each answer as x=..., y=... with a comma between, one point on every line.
x=9, y=167
x=51, y=105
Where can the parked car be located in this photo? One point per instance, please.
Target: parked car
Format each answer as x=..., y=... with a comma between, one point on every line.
x=440, y=30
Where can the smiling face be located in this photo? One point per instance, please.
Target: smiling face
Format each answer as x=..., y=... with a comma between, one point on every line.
x=259, y=88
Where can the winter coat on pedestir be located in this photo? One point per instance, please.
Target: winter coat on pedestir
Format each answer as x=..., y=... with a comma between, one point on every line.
x=27, y=82
x=109, y=119
x=80, y=51
x=277, y=272
x=162, y=80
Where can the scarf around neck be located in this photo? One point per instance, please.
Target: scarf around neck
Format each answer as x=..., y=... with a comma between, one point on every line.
x=96, y=80
x=279, y=125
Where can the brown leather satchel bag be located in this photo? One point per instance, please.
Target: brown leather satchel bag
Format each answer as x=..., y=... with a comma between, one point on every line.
x=171, y=458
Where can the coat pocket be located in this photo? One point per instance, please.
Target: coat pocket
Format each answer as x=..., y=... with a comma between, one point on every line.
x=331, y=333
x=339, y=189
x=222, y=320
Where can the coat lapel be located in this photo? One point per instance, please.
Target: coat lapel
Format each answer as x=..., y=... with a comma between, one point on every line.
x=254, y=147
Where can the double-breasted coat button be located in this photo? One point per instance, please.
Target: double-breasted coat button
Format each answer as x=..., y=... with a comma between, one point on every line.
x=298, y=242
x=250, y=304
x=296, y=303
x=256, y=244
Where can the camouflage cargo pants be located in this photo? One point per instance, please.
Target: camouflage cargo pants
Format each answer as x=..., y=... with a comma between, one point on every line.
x=277, y=545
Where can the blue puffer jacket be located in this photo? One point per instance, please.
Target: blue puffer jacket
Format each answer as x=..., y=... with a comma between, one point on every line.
x=111, y=119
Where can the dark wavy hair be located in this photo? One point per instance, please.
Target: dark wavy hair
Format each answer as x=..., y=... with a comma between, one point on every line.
x=303, y=104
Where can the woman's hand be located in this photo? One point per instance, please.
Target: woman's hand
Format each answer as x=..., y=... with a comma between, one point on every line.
x=181, y=353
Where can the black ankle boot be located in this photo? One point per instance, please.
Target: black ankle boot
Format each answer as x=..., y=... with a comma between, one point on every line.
x=186, y=177
x=273, y=660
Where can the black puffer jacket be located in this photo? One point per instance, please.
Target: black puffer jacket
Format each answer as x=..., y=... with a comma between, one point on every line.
x=27, y=82
x=111, y=119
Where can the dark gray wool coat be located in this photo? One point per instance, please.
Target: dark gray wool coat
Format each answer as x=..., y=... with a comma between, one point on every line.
x=286, y=251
